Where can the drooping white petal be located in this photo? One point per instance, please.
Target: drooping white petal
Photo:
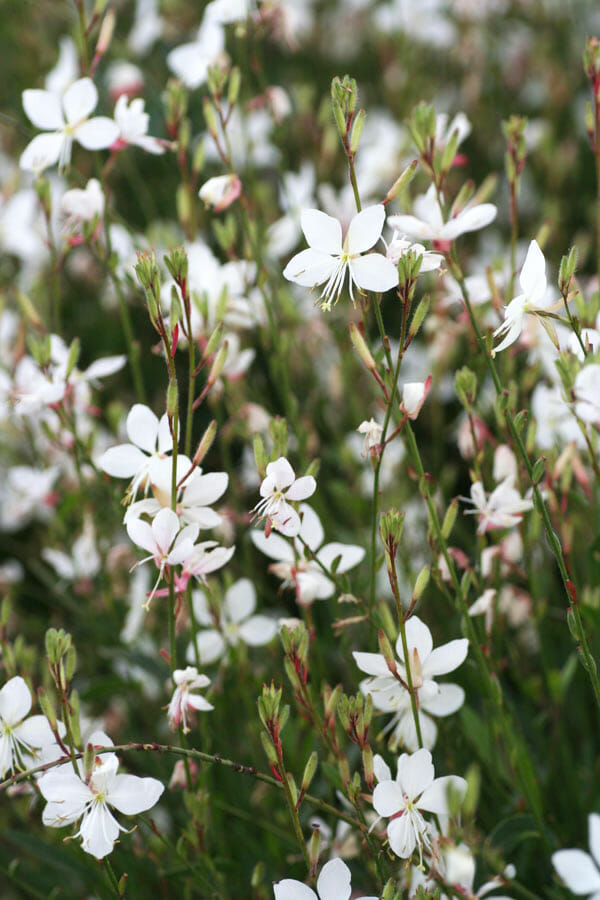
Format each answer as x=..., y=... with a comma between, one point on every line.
x=141, y=533
x=131, y=795
x=415, y=773
x=435, y=798
x=79, y=100
x=290, y=889
x=142, y=427
x=258, y=630
x=533, y=274
x=334, y=882
x=240, y=600
x=201, y=608
x=401, y=835
x=122, y=461
x=206, y=489
x=43, y=109
x=197, y=701
x=310, y=268
x=274, y=547
x=287, y=520
x=165, y=526
x=40, y=153
x=381, y=769
x=577, y=870
x=374, y=272
x=322, y=232
x=99, y=830
x=469, y=220
x=101, y=368
x=63, y=785
x=446, y=658
x=60, y=562
x=412, y=226
x=365, y=229
x=15, y=700
x=311, y=530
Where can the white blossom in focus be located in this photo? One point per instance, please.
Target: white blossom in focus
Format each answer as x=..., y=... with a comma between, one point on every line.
x=328, y=259
x=23, y=738
x=278, y=490
x=503, y=508
x=333, y=883
x=184, y=700
x=533, y=289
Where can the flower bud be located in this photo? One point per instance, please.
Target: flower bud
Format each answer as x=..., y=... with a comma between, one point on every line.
x=385, y=648
x=367, y=761
x=314, y=850
x=172, y=399
x=48, y=710
x=402, y=181
x=449, y=520
x=357, y=128
x=260, y=456
x=28, y=310
x=422, y=582
x=309, y=771
x=73, y=356
x=205, y=442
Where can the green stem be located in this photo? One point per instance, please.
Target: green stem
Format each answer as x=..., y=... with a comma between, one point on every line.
x=112, y=877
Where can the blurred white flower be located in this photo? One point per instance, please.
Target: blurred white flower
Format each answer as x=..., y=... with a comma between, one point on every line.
x=184, y=700
x=133, y=123
x=587, y=393
x=503, y=508
x=533, y=286
x=372, y=431
x=414, y=395
x=580, y=871
x=399, y=246
x=65, y=119
x=427, y=223
x=221, y=191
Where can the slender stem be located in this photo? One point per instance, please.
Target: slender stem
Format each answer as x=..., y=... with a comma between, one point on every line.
x=112, y=877
x=551, y=536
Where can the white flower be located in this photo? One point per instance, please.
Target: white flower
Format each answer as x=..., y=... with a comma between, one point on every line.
x=278, y=489
x=23, y=741
x=82, y=204
x=400, y=246
x=502, y=509
x=306, y=576
x=190, y=62
x=83, y=562
x=581, y=871
x=221, y=191
x=414, y=394
x=70, y=797
x=194, y=497
x=425, y=663
x=133, y=122
x=427, y=223
x=167, y=543
x=66, y=120
x=372, y=431
x=186, y=680
x=295, y=194
x=33, y=389
x=505, y=463
x=334, y=883
x=587, y=393
x=444, y=130
x=142, y=459
x=533, y=286
x=415, y=791
x=328, y=259
x=234, y=622
x=484, y=606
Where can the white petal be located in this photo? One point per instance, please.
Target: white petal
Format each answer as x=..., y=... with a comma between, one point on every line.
x=322, y=232
x=196, y=701
x=60, y=562
x=258, y=630
x=311, y=530
x=15, y=700
x=165, y=438
x=533, y=273
x=577, y=870
x=211, y=647
x=388, y=798
x=122, y=461
x=142, y=427
x=206, y=489
x=287, y=521
x=97, y=133
x=374, y=272
x=43, y=109
x=99, y=830
x=40, y=153
x=334, y=881
x=101, y=368
x=164, y=528
x=281, y=472
x=418, y=637
x=349, y=555
x=371, y=663
x=381, y=769
x=240, y=600
x=80, y=100
x=449, y=698
x=401, y=835
x=290, y=889
x=131, y=795
x=469, y=220
x=446, y=658
x=58, y=813
x=365, y=229
x=274, y=547
x=435, y=798
x=302, y=488
x=64, y=786
x=310, y=267
x=35, y=731
x=413, y=227
x=201, y=608
x=415, y=773
x=141, y=533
